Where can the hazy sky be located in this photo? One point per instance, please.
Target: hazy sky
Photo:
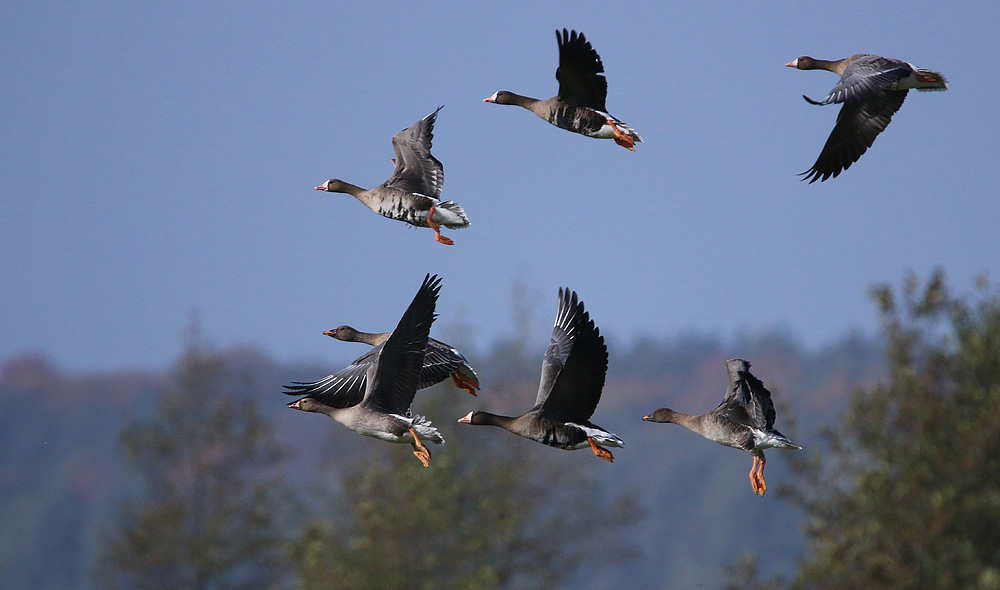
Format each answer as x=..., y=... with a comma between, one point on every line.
x=161, y=157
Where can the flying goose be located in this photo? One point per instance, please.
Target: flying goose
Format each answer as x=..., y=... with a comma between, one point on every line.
x=573, y=371
x=583, y=90
x=413, y=192
x=382, y=409
x=872, y=89
x=744, y=420
x=440, y=361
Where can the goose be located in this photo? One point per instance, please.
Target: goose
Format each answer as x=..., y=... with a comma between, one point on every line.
x=413, y=192
x=583, y=90
x=382, y=409
x=871, y=88
x=573, y=371
x=744, y=420
x=440, y=361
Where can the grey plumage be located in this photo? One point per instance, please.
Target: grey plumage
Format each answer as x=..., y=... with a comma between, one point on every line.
x=392, y=375
x=572, y=378
x=413, y=191
x=580, y=104
x=348, y=384
x=871, y=88
x=744, y=420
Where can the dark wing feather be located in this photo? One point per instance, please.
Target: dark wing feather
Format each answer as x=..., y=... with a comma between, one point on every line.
x=858, y=124
x=747, y=401
x=439, y=361
x=417, y=171
x=397, y=371
x=865, y=77
x=574, y=366
x=343, y=389
x=579, y=72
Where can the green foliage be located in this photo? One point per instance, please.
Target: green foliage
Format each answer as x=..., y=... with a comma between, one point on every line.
x=482, y=516
x=206, y=516
x=910, y=494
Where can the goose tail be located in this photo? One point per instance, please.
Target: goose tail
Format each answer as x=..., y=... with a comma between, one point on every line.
x=450, y=215
x=928, y=80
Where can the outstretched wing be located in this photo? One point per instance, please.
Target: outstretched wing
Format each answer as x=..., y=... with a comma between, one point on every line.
x=574, y=366
x=858, y=124
x=396, y=373
x=580, y=72
x=343, y=389
x=864, y=77
x=439, y=361
x=747, y=401
x=417, y=171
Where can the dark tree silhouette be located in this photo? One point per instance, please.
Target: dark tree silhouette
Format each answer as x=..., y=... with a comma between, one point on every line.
x=494, y=517
x=205, y=518
x=908, y=493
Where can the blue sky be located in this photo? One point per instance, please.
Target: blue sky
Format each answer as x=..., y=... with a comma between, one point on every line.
x=162, y=158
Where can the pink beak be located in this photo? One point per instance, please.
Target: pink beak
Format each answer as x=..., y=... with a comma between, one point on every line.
x=793, y=64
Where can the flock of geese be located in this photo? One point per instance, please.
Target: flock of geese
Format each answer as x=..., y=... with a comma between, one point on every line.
x=372, y=396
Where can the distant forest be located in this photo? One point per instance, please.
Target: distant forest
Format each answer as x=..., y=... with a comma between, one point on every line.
x=196, y=475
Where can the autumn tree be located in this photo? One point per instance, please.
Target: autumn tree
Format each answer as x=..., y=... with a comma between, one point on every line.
x=908, y=493
x=206, y=516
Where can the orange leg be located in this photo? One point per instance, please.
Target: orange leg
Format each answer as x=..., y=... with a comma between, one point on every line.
x=601, y=451
x=623, y=139
x=421, y=451
x=757, y=475
x=437, y=229
x=760, y=475
x=462, y=382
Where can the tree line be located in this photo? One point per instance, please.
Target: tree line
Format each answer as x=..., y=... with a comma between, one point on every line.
x=900, y=492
